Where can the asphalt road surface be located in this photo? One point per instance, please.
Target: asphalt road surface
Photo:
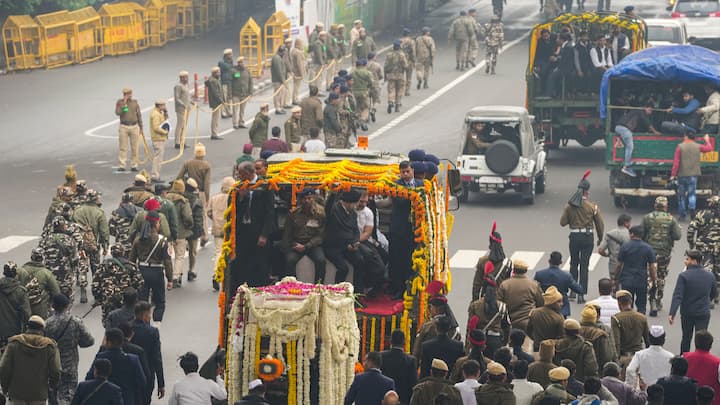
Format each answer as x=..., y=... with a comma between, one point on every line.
x=57, y=117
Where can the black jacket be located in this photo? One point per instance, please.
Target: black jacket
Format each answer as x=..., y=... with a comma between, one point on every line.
x=694, y=290
x=148, y=338
x=679, y=390
x=126, y=373
x=261, y=213
x=88, y=393
x=402, y=368
x=341, y=227
x=252, y=400
x=443, y=348
x=368, y=388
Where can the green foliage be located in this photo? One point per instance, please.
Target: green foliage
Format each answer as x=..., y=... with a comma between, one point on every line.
x=17, y=7
x=34, y=7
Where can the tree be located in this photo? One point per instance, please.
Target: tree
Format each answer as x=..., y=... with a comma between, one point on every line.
x=18, y=7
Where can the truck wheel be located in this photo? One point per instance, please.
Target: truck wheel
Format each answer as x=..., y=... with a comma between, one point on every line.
x=463, y=197
x=528, y=193
x=502, y=156
x=540, y=181
x=618, y=201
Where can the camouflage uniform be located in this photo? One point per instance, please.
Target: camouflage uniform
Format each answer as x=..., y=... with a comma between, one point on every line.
x=114, y=275
x=69, y=332
x=703, y=234
x=460, y=32
x=494, y=36
x=396, y=65
x=346, y=117
x=61, y=257
x=407, y=44
x=120, y=224
x=661, y=230
x=39, y=283
x=424, y=55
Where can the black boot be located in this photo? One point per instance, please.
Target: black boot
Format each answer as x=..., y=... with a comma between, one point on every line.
x=397, y=107
x=83, y=295
x=487, y=68
x=492, y=70
x=425, y=86
x=390, y=107
x=457, y=66
x=372, y=114
x=418, y=86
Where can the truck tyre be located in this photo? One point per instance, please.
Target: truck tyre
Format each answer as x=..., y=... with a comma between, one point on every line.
x=502, y=156
x=463, y=196
x=540, y=181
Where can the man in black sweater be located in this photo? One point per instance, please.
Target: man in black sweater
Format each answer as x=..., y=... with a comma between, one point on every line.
x=342, y=241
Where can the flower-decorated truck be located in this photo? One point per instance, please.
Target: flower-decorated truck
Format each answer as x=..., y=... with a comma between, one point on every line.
x=304, y=339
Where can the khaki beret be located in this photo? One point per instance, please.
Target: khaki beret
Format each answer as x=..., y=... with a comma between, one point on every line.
x=139, y=177
x=552, y=295
x=520, y=264
x=296, y=109
x=192, y=183
x=322, y=33
x=183, y=73
x=589, y=314
x=320, y=25
x=37, y=320
x=199, y=149
x=288, y=40
x=495, y=368
x=240, y=59
x=159, y=102
x=438, y=364
x=227, y=51
x=571, y=324
x=126, y=90
x=622, y=293
x=559, y=374
x=341, y=26
x=264, y=106
x=357, y=22
x=215, y=69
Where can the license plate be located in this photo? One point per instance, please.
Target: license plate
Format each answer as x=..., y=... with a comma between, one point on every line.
x=711, y=157
x=488, y=179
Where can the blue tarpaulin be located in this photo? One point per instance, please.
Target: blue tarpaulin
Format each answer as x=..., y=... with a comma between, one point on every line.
x=675, y=63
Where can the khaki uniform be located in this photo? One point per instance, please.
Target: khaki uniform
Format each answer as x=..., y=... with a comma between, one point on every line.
x=429, y=388
x=130, y=129
x=139, y=195
x=361, y=47
x=288, y=65
x=396, y=65
x=521, y=295
x=362, y=84
x=318, y=63
x=181, y=93
x=293, y=133
x=581, y=352
x=241, y=88
x=492, y=393
x=376, y=70
x=545, y=323
x=407, y=44
x=600, y=340
x=538, y=372
x=312, y=114
x=297, y=70
x=216, y=99
x=159, y=136
x=630, y=330
x=424, y=57
x=460, y=32
x=581, y=221
x=473, y=44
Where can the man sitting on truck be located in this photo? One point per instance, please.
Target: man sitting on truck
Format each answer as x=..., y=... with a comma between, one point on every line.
x=711, y=112
x=601, y=57
x=633, y=121
x=686, y=118
x=544, y=55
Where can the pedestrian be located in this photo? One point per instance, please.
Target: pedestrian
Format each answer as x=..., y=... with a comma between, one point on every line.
x=127, y=372
x=193, y=389
x=14, y=304
x=396, y=64
x=408, y=46
x=470, y=375
x=636, y=265
x=216, y=213
x=293, y=129
x=331, y=54
x=694, y=290
x=159, y=130
x=521, y=295
x=440, y=347
x=649, y=364
x=494, y=38
x=370, y=386
x=686, y=169
x=148, y=337
x=314, y=144
x=361, y=87
x=69, y=332
x=460, y=33
x=355, y=30
x=184, y=231
x=39, y=282
x=318, y=58
x=539, y=369
x=287, y=45
x=362, y=46
x=150, y=253
x=255, y=395
x=167, y=209
x=581, y=215
x=634, y=121
x=279, y=77
x=259, y=129
x=496, y=391
x=60, y=252
x=711, y=112
x=197, y=208
x=476, y=341
x=217, y=101
x=630, y=328
x=199, y=169
x=399, y=366
x=152, y=204
x=131, y=128
x=311, y=112
x=427, y=390
x=126, y=313
x=677, y=387
x=225, y=66
x=612, y=241
x=523, y=389
x=275, y=144
x=573, y=346
x=557, y=389
x=603, y=346
x=30, y=365
x=298, y=69
x=98, y=390
x=96, y=237
x=606, y=302
x=660, y=231
x=425, y=57
x=703, y=366
x=561, y=280
x=626, y=394
x=183, y=103
x=546, y=322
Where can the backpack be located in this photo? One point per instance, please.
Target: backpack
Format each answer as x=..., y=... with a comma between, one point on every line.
x=89, y=241
x=34, y=291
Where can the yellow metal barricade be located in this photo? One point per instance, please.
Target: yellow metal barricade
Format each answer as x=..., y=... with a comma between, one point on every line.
x=277, y=28
x=200, y=11
x=251, y=47
x=140, y=29
x=21, y=43
x=217, y=10
x=156, y=22
x=185, y=19
x=89, y=35
x=172, y=19
x=58, y=33
x=123, y=28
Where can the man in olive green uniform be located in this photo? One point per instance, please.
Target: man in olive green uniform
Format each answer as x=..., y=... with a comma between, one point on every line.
x=407, y=44
x=574, y=347
x=361, y=85
x=184, y=231
x=362, y=46
x=130, y=115
x=199, y=169
x=216, y=99
x=241, y=88
x=318, y=59
x=342, y=46
x=225, y=65
x=629, y=327
x=376, y=71
x=331, y=122
x=304, y=235
x=278, y=77
x=311, y=112
x=293, y=129
x=91, y=217
x=521, y=294
x=332, y=53
x=395, y=66
x=557, y=389
x=181, y=94
x=600, y=340
x=539, y=369
x=298, y=68
x=437, y=306
x=546, y=322
x=428, y=389
x=581, y=214
x=259, y=129
x=139, y=192
x=497, y=390
x=39, y=282
x=460, y=32
x=424, y=57
x=660, y=231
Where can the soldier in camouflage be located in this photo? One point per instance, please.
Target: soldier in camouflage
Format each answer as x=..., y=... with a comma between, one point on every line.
x=376, y=71
x=703, y=234
x=96, y=236
x=661, y=230
x=396, y=65
x=362, y=84
x=61, y=256
x=424, y=55
x=114, y=275
x=39, y=283
x=80, y=195
x=407, y=44
x=120, y=224
x=64, y=196
x=494, y=36
x=347, y=115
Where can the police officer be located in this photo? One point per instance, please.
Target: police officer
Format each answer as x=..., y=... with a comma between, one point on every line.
x=435, y=385
x=494, y=36
x=362, y=46
x=61, y=256
x=660, y=231
x=241, y=88
x=703, y=234
x=629, y=327
x=407, y=44
x=460, y=32
x=580, y=214
x=225, y=65
x=376, y=72
x=318, y=58
x=114, y=275
x=396, y=64
x=130, y=115
x=216, y=99
x=39, y=282
x=424, y=55
x=181, y=95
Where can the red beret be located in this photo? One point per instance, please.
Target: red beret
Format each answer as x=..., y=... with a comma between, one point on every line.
x=151, y=205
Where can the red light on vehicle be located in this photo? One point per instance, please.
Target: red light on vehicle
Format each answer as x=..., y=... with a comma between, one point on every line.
x=675, y=14
x=715, y=14
x=520, y=179
x=466, y=178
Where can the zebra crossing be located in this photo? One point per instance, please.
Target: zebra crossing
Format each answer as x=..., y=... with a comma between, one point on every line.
x=536, y=260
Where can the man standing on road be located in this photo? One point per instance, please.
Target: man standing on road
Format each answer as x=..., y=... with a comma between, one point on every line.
x=660, y=231
x=225, y=66
x=703, y=234
x=259, y=129
x=311, y=115
x=473, y=44
x=581, y=215
x=636, y=261
x=130, y=115
x=521, y=295
x=181, y=94
x=494, y=37
x=148, y=337
x=278, y=76
x=241, y=88
x=652, y=363
x=460, y=32
x=331, y=123
x=159, y=130
x=361, y=85
x=297, y=68
x=694, y=290
x=686, y=168
x=563, y=281
x=630, y=328
x=127, y=372
x=613, y=240
x=293, y=129
x=634, y=121
x=395, y=66
x=424, y=57
x=607, y=304
x=150, y=253
x=216, y=99
x=408, y=46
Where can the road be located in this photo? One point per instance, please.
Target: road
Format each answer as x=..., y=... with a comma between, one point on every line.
x=47, y=116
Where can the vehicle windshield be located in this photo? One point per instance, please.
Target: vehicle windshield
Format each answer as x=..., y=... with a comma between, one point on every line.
x=663, y=33
x=697, y=7
x=480, y=134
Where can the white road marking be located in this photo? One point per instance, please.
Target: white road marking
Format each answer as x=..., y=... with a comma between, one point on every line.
x=466, y=259
x=9, y=243
x=531, y=258
x=594, y=259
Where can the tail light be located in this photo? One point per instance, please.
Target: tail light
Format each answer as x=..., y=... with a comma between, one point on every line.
x=466, y=178
x=675, y=14
x=520, y=179
x=715, y=14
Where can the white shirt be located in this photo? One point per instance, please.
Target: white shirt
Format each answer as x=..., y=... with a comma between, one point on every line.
x=196, y=390
x=467, y=391
x=650, y=364
x=603, y=59
x=314, y=146
x=524, y=390
x=366, y=217
x=608, y=308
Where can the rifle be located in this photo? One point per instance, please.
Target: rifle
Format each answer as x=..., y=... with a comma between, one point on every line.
x=92, y=308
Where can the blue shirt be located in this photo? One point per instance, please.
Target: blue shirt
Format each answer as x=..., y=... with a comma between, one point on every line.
x=563, y=281
x=635, y=255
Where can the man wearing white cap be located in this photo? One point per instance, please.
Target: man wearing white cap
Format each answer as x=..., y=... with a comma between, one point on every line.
x=256, y=394
x=216, y=99
x=159, y=130
x=225, y=66
x=181, y=93
x=651, y=363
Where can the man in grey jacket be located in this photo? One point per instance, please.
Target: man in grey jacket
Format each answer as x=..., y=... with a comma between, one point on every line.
x=613, y=240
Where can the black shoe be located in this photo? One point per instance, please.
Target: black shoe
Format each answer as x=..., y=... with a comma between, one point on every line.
x=487, y=69
x=176, y=284
x=418, y=86
x=372, y=115
x=653, y=313
x=572, y=295
x=363, y=127
x=120, y=169
x=425, y=86
x=215, y=285
x=691, y=214
x=390, y=108
x=280, y=112
x=471, y=63
x=133, y=169
x=580, y=299
x=287, y=106
x=397, y=107
x=177, y=146
x=226, y=116
x=203, y=242
x=216, y=138
x=407, y=94
x=192, y=276
x=242, y=126
x=236, y=127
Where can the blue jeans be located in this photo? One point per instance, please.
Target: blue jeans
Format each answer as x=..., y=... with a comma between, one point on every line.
x=686, y=189
x=627, y=139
